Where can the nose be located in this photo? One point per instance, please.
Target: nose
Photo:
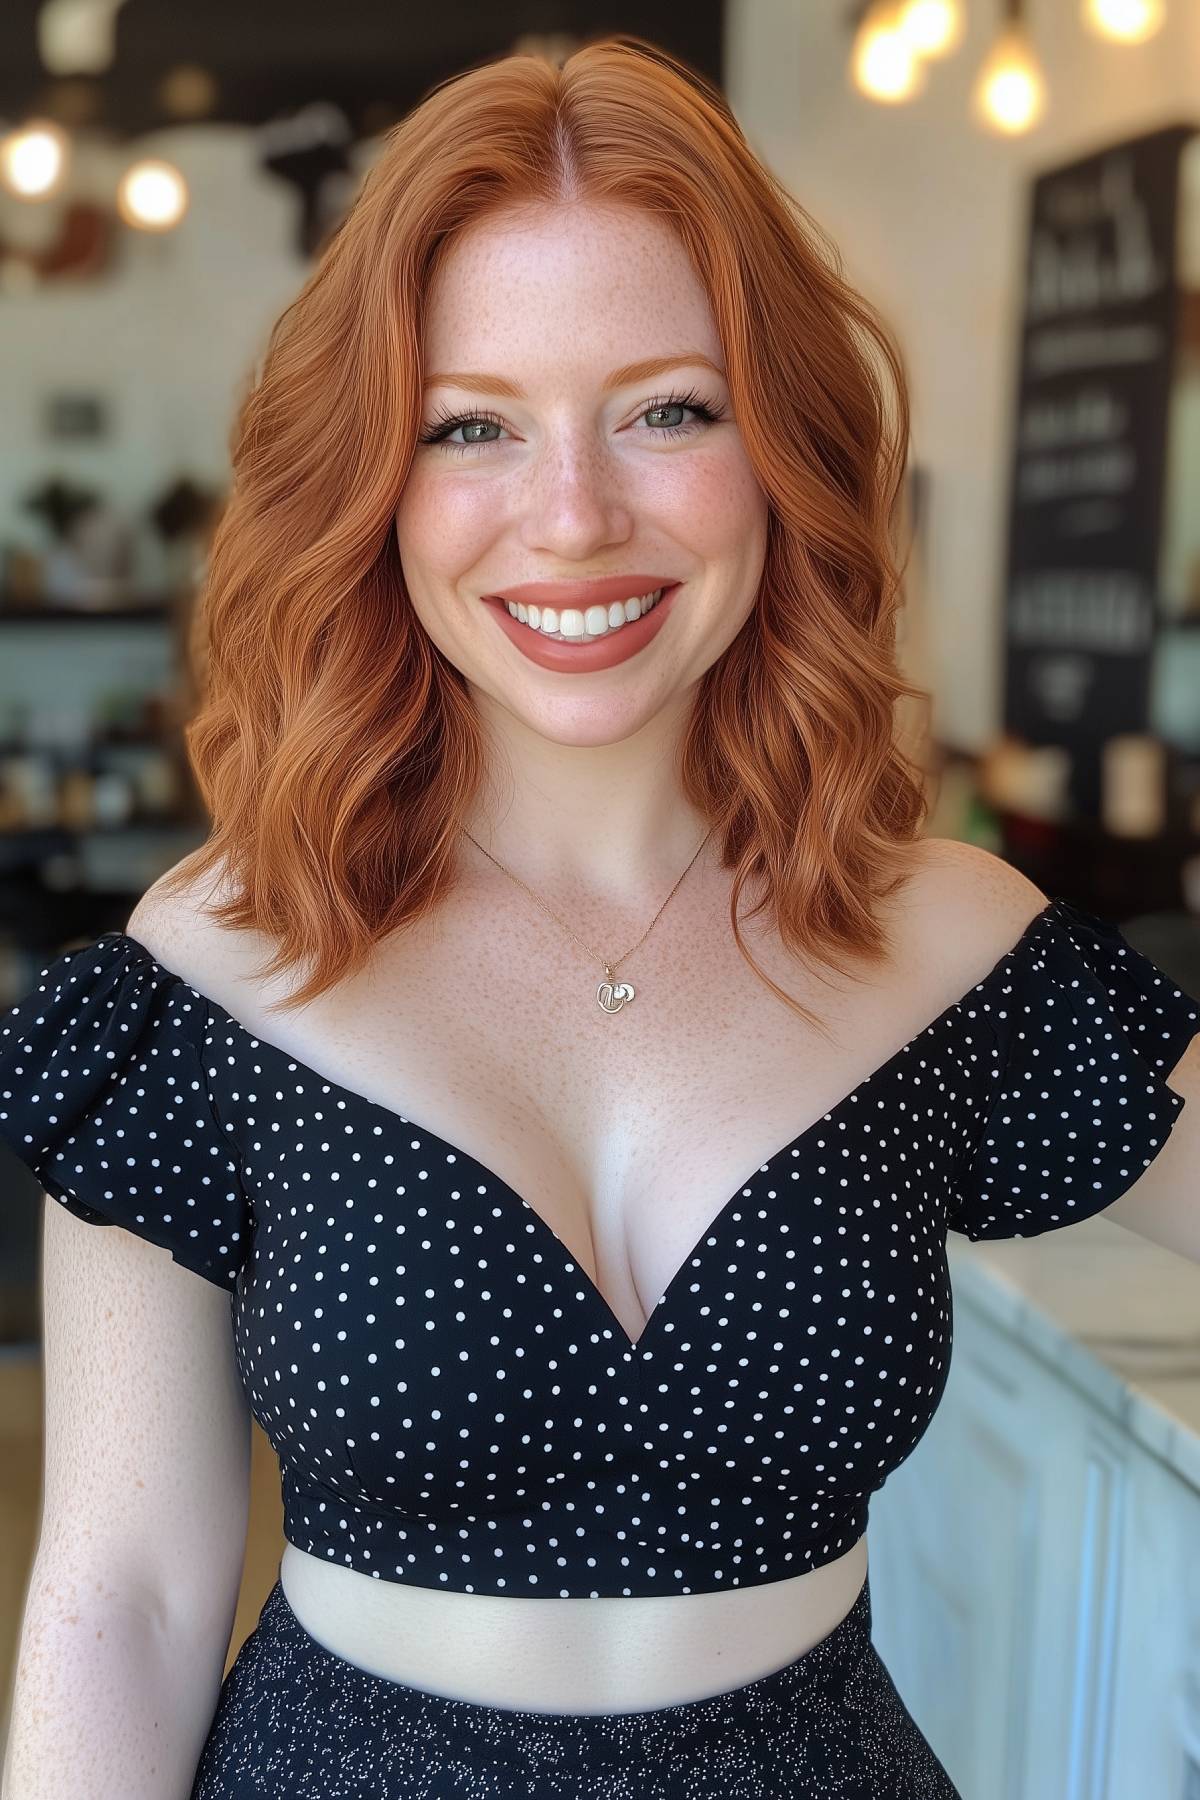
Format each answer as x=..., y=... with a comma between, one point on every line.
x=576, y=502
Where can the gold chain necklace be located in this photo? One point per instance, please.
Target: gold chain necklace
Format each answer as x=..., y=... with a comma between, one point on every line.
x=612, y=995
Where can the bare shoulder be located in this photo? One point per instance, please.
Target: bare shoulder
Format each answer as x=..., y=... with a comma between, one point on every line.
x=968, y=906
x=969, y=872
x=173, y=922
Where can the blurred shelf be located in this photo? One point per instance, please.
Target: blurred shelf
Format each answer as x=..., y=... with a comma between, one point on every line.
x=143, y=611
x=1119, y=877
x=51, y=877
x=95, y=746
x=1078, y=832
x=49, y=835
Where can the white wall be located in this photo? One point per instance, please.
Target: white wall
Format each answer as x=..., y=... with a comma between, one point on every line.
x=928, y=213
x=166, y=332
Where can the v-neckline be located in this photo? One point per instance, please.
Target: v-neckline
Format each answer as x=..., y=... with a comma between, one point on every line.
x=633, y=1347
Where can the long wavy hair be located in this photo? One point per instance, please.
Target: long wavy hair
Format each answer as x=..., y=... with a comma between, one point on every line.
x=337, y=751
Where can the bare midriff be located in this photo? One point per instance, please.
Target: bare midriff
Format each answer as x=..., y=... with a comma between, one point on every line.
x=569, y=1656
x=627, y=1190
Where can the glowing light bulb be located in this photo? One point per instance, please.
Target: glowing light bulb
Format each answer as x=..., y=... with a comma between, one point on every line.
x=931, y=27
x=33, y=160
x=1125, y=21
x=883, y=64
x=1010, y=93
x=152, y=195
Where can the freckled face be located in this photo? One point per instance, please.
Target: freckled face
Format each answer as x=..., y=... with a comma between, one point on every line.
x=573, y=479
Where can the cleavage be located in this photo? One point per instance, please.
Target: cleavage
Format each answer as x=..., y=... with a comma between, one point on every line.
x=626, y=1133
x=628, y=1143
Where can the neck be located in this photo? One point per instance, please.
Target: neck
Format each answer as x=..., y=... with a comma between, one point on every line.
x=606, y=820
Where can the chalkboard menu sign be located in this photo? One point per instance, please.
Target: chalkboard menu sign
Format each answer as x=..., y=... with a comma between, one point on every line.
x=1098, y=339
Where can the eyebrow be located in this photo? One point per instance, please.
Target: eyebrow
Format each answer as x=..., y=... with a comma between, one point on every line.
x=625, y=376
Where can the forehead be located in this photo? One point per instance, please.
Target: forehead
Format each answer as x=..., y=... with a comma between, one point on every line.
x=588, y=283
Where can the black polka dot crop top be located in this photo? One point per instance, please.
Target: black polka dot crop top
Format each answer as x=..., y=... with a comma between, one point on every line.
x=452, y=1401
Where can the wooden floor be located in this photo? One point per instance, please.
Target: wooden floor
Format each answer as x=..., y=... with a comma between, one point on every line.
x=20, y=1499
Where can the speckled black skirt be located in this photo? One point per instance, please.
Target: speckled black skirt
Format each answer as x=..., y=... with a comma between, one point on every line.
x=296, y=1722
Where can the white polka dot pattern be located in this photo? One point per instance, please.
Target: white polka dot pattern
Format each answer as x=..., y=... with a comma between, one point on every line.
x=1088, y=1031
x=453, y=1401
x=103, y=1094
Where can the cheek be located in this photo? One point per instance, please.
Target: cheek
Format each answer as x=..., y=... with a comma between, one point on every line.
x=443, y=526
x=715, y=504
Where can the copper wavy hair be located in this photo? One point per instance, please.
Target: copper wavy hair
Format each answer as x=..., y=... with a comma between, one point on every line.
x=336, y=750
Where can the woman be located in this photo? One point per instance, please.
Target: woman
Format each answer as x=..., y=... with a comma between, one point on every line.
x=552, y=608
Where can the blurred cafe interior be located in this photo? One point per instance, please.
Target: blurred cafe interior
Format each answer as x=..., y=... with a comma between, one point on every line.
x=1017, y=188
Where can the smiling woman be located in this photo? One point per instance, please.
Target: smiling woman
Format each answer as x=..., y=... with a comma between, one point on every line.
x=584, y=1316
x=431, y=427
x=589, y=456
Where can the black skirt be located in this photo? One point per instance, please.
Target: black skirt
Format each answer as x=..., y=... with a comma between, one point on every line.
x=295, y=1722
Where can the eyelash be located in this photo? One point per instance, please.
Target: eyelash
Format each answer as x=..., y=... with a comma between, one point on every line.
x=448, y=422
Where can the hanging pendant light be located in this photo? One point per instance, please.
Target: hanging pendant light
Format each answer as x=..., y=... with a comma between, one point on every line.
x=1124, y=21
x=1010, y=91
x=883, y=64
x=152, y=195
x=931, y=28
x=34, y=160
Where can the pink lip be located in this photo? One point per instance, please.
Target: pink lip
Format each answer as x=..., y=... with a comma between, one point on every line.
x=584, y=659
x=601, y=592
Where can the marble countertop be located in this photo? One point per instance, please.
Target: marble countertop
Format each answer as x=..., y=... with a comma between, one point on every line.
x=1109, y=1311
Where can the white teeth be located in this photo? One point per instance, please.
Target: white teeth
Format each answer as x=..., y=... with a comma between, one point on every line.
x=572, y=626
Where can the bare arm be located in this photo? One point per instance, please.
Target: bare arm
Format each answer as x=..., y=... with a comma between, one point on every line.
x=105, y=1703
x=132, y=1594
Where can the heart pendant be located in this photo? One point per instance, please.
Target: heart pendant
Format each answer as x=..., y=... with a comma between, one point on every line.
x=612, y=996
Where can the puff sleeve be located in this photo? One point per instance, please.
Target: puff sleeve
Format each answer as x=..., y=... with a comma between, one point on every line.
x=1084, y=1031
x=103, y=1094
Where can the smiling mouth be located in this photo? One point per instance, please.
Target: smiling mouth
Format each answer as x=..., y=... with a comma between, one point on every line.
x=575, y=625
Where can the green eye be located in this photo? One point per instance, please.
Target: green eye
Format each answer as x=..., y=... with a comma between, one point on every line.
x=439, y=432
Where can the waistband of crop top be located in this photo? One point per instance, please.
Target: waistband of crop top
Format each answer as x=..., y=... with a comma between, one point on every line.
x=285, y=1651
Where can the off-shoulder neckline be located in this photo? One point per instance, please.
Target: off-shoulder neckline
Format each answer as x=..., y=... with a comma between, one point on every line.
x=1054, y=907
